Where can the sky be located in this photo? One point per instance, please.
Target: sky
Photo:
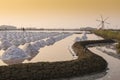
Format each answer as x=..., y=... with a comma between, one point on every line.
x=59, y=13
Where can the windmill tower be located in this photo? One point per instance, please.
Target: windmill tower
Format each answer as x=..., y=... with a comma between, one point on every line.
x=102, y=22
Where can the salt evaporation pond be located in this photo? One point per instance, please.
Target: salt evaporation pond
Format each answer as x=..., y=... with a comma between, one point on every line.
x=56, y=52
x=59, y=52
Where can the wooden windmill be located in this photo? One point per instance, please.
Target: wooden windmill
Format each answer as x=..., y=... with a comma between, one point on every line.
x=102, y=22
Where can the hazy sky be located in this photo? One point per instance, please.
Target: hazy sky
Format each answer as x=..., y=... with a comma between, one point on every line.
x=58, y=13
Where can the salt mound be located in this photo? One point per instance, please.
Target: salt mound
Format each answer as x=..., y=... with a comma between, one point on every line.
x=30, y=50
x=36, y=45
x=58, y=38
x=0, y=46
x=50, y=41
x=2, y=39
x=27, y=39
x=15, y=42
x=77, y=39
x=32, y=39
x=22, y=41
x=13, y=55
x=84, y=37
x=42, y=43
x=5, y=44
x=61, y=36
x=9, y=38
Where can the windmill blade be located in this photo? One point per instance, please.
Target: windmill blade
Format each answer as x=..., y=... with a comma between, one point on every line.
x=101, y=17
x=107, y=23
x=98, y=20
x=106, y=18
x=99, y=25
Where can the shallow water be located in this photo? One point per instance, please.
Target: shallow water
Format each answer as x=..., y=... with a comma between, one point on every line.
x=113, y=65
x=58, y=51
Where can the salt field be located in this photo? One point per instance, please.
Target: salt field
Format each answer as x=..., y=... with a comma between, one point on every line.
x=17, y=46
x=52, y=47
x=37, y=46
